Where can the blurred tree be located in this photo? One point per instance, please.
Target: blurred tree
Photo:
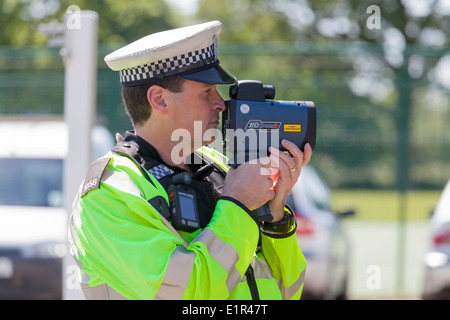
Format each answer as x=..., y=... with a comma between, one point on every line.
x=119, y=21
x=320, y=50
x=381, y=67
x=249, y=21
x=407, y=28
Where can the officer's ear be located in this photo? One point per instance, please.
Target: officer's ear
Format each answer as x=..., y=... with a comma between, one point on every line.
x=155, y=96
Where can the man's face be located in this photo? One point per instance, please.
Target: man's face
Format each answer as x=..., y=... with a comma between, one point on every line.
x=196, y=102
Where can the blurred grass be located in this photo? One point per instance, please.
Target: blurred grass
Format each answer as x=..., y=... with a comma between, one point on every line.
x=385, y=204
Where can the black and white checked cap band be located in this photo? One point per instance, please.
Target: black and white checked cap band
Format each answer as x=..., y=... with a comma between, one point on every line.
x=177, y=65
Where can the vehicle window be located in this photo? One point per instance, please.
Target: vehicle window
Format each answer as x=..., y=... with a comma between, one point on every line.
x=31, y=182
x=316, y=189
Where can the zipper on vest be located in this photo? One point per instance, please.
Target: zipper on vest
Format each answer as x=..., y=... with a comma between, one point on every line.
x=251, y=281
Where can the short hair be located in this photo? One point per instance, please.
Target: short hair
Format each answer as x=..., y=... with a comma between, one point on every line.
x=135, y=98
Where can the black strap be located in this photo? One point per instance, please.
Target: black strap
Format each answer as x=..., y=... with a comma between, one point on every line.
x=210, y=162
x=160, y=204
x=251, y=281
x=130, y=150
x=203, y=172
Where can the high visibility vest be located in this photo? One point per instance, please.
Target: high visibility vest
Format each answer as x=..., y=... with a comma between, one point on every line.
x=125, y=248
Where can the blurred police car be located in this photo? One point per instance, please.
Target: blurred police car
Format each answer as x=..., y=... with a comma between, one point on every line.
x=320, y=237
x=437, y=259
x=33, y=225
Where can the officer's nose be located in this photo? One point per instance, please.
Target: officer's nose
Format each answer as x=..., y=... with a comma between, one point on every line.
x=219, y=103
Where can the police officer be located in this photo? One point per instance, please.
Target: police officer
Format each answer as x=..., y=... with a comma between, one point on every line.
x=147, y=226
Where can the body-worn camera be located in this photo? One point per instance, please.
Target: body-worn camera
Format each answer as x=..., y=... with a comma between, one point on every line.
x=183, y=204
x=253, y=121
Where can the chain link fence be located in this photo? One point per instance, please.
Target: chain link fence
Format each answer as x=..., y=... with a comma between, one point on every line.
x=381, y=124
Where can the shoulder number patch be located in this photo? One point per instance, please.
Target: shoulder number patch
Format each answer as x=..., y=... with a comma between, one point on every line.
x=94, y=175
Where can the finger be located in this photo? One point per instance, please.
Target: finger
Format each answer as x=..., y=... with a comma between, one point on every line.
x=301, y=158
x=284, y=156
x=307, y=154
x=275, y=175
x=264, y=162
x=284, y=170
x=270, y=194
x=292, y=148
x=265, y=171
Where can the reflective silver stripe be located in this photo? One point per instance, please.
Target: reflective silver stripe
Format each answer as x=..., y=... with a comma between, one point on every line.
x=121, y=181
x=101, y=292
x=223, y=253
x=181, y=262
x=74, y=221
x=261, y=269
x=289, y=292
x=177, y=275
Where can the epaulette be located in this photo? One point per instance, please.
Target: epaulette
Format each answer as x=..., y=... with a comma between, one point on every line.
x=94, y=175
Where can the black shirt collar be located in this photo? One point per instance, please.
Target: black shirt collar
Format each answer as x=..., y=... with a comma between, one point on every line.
x=146, y=150
x=150, y=155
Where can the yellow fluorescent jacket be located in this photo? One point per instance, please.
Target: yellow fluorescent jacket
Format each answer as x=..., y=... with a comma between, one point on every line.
x=125, y=249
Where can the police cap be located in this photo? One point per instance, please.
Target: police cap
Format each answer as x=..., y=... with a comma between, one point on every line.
x=190, y=52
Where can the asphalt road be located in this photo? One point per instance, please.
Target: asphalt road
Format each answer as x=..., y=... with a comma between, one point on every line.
x=386, y=260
